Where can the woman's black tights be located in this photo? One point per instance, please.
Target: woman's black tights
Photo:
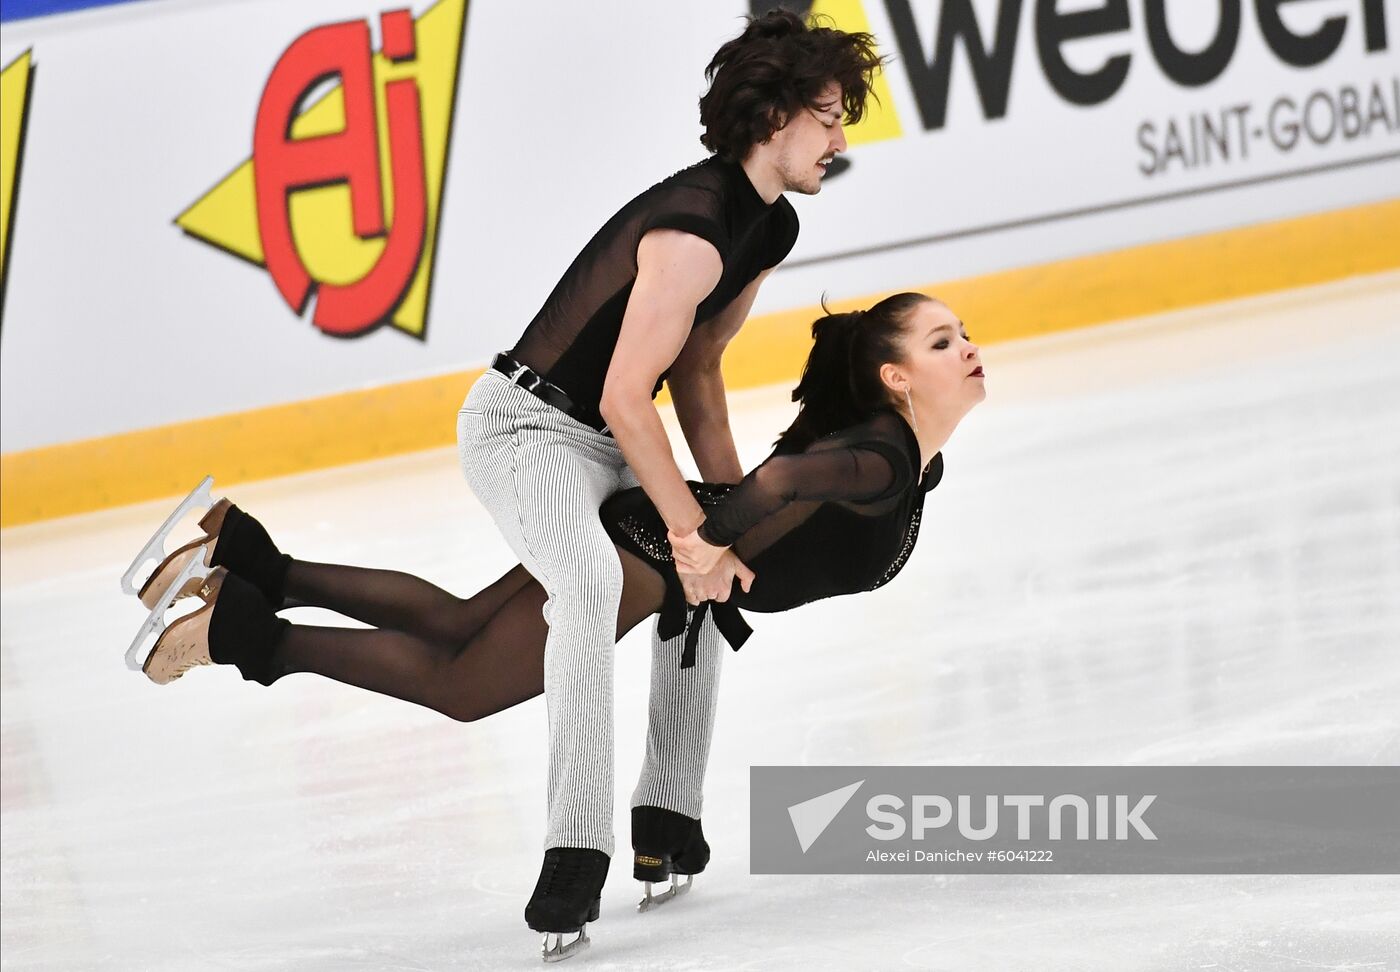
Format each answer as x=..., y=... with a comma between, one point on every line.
x=464, y=657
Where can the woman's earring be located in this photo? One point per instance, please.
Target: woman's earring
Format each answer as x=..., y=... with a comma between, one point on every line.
x=909, y=400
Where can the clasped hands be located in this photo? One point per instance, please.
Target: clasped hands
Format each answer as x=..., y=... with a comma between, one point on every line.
x=707, y=572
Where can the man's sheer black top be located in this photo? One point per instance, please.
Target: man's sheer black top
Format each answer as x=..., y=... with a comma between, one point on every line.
x=572, y=338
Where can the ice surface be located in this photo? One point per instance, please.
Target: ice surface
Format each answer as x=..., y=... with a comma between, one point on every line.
x=1174, y=540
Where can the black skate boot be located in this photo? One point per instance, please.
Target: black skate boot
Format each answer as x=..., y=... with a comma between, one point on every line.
x=243, y=546
x=567, y=897
x=666, y=844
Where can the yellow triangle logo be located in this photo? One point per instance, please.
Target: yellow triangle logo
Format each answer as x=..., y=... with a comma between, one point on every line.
x=880, y=121
x=15, y=82
x=322, y=229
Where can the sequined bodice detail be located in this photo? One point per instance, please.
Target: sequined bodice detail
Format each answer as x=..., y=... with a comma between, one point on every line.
x=911, y=536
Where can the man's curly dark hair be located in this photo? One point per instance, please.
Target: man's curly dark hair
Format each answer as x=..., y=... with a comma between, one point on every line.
x=776, y=67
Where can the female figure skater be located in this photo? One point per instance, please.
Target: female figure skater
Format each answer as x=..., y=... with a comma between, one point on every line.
x=834, y=510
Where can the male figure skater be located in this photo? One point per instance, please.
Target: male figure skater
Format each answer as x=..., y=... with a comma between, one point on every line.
x=566, y=418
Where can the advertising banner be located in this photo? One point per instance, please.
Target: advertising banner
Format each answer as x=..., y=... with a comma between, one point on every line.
x=217, y=207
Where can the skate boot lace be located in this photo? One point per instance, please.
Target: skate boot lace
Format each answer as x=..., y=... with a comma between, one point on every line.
x=564, y=870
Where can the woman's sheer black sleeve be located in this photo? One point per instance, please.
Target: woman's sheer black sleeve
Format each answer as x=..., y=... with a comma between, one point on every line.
x=862, y=472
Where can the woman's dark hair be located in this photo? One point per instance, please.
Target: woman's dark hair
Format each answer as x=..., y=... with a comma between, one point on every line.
x=841, y=383
x=778, y=65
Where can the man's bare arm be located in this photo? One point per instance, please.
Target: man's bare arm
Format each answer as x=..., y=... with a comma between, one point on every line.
x=697, y=389
x=675, y=272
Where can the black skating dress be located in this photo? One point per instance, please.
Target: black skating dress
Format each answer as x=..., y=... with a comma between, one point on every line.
x=838, y=517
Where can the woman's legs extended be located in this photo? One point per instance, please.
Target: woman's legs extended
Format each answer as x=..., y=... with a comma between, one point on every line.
x=489, y=669
x=401, y=602
x=492, y=663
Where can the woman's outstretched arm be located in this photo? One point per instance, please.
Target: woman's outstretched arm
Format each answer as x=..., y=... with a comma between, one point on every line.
x=859, y=473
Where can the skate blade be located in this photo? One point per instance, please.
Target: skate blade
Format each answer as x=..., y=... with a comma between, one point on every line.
x=145, y=641
x=154, y=550
x=674, y=891
x=559, y=952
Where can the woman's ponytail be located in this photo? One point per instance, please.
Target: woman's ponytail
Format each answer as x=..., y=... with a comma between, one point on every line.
x=840, y=383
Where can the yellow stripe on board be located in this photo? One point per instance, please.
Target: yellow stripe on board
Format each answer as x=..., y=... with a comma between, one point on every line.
x=54, y=481
x=1104, y=287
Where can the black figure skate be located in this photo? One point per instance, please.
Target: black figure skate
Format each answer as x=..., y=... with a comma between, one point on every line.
x=567, y=897
x=666, y=844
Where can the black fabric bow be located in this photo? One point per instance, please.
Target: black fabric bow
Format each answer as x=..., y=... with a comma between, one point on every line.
x=676, y=618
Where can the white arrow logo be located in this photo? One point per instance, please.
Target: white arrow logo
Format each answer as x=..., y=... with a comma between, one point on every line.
x=811, y=817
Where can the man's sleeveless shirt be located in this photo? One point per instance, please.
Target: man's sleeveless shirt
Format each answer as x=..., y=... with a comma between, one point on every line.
x=572, y=338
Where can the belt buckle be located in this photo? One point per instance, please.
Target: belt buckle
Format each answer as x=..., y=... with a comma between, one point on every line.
x=535, y=379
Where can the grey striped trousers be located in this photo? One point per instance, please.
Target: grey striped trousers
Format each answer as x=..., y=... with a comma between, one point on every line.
x=542, y=477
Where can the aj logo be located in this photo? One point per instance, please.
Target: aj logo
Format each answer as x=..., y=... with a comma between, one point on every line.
x=16, y=83
x=341, y=199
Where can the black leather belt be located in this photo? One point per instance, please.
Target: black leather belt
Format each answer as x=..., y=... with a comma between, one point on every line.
x=534, y=383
